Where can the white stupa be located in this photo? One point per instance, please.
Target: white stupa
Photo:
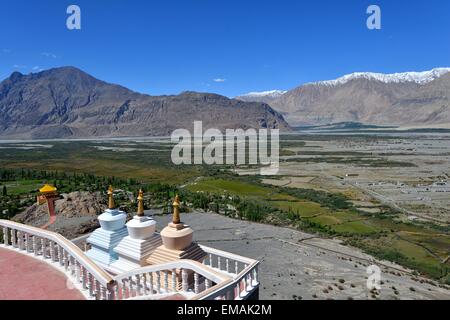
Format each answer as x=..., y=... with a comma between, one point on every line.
x=104, y=239
x=134, y=249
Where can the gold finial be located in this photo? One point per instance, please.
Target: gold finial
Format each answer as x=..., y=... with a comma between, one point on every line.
x=176, y=210
x=140, y=210
x=111, y=204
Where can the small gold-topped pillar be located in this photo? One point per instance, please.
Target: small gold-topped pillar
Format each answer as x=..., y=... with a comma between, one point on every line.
x=140, y=198
x=176, y=211
x=111, y=204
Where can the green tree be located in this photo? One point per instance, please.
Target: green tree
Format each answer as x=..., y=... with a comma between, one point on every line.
x=5, y=191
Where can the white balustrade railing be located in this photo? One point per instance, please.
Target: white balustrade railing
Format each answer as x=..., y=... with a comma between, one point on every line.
x=54, y=248
x=244, y=272
x=222, y=276
x=240, y=288
x=187, y=277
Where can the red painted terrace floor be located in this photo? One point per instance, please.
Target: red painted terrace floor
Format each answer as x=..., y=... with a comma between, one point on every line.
x=26, y=278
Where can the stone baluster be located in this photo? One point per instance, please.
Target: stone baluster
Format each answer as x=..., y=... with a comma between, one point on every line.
x=219, y=263
x=124, y=292
x=207, y=284
x=116, y=291
x=144, y=279
x=151, y=282
x=174, y=280
x=84, y=277
x=138, y=285
x=13, y=238
x=184, y=280
x=210, y=260
x=255, y=270
x=247, y=279
x=238, y=290
x=5, y=236
x=97, y=290
x=73, y=267
x=90, y=284
x=104, y=295
x=196, y=283
x=227, y=265
x=52, y=251
x=245, y=283
x=35, y=245
x=44, y=253
x=236, y=268
x=130, y=286
x=24, y=241
x=19, y=239
x=229, y=294
x=166, y=281
x=158, y=282
x=66, y=260
x=77, y=271
x=27, y=241
x=60, y=256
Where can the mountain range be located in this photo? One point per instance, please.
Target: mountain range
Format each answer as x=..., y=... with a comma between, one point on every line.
x=69, y=103
x=410, y=99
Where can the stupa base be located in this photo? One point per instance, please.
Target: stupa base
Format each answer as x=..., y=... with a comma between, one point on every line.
x=133, y=253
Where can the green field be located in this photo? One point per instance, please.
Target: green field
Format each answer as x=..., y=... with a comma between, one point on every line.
x=148, y=162
x=405, y=243
x=22, y=186
x=234, y=187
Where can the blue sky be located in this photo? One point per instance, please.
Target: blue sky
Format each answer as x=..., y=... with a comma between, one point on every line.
x=166, y=47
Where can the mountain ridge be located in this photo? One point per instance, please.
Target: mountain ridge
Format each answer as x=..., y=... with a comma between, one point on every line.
x=402, y=99
x=66, y=102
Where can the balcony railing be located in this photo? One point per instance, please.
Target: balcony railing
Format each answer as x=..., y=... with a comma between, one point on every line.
x=57, y=250
x=222, y=276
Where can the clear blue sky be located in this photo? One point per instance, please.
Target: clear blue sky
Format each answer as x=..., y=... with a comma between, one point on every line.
x=165, y=47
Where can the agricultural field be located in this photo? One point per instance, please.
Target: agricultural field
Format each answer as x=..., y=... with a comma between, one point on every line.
x=412, y=242
x=360, y=189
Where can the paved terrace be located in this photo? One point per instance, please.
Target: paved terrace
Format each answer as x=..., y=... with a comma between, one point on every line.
x=26, y=278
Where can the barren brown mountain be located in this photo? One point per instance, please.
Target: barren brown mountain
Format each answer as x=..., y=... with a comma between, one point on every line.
x=368, y=100
x=68, y=103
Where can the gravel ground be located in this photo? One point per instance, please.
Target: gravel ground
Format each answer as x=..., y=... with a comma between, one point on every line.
x=297, y=265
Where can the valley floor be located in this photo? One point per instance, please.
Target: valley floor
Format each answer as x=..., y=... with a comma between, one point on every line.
x=297, y=265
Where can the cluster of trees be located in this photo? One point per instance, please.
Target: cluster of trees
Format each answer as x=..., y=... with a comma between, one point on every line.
x=160, y=194
x=229, y=205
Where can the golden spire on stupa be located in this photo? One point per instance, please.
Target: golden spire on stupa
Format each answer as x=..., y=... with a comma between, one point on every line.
x=111, y=204
x=140, y=198
x=176, y=210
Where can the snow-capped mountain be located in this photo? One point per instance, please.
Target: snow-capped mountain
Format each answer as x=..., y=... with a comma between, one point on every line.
x=270, y=93
x=417, y=77
x=262, y=96
x=404, y=99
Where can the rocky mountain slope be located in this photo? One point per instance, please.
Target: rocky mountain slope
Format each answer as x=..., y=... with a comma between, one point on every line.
x=263, y=96
x=404, y=99
x=68, y=103
x=76, y=213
